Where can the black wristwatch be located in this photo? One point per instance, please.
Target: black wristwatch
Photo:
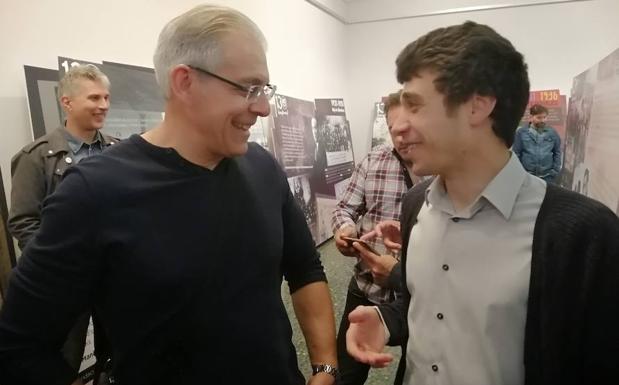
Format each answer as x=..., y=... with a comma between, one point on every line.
x=325, y=368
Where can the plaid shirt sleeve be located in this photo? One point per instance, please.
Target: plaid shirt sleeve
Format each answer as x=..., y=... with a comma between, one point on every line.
x=352, y=205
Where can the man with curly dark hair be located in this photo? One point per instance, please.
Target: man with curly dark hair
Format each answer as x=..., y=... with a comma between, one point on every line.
x=505, y=279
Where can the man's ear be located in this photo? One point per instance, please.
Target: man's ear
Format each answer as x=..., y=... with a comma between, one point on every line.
x=65, y=102
x=482, y=107
x=181, y=80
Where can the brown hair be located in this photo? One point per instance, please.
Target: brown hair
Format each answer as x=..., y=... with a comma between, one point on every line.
x=469, y=59
x=537, y=109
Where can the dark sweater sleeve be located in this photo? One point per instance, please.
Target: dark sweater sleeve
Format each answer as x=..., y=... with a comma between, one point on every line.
x=395, y=277
x=601, y=335
x=301, y=261
x=50, y=287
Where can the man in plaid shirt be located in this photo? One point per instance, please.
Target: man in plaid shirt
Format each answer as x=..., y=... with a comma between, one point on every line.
x=374, y=194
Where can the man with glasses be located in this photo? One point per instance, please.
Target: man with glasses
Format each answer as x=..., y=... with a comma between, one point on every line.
x=191, y=232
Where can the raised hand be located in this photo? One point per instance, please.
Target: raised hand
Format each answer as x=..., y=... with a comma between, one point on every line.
x=380, y=265
x=365, y=338
x=389, y=231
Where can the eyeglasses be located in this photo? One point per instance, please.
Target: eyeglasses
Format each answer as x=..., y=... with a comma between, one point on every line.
x=253, y=91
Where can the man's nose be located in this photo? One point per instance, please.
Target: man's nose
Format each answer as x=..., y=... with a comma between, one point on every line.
x=261, y=106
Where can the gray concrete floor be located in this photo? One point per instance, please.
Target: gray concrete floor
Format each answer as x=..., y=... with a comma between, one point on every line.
x=339, y=270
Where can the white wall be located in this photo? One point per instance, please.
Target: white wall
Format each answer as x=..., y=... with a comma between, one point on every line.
x=306, y=47
x=559, y=41
x=311, y=55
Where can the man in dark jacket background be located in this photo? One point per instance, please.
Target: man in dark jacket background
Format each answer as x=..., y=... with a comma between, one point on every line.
x=37, y=168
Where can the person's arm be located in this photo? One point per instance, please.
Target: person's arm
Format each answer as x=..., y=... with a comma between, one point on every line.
x=349, y=209
x=517, y=146
x=352, y=204
x=314, y=311
x=27, y=194
x=556, y=155
x=600, y=335
x=381, y=266
x=394, y=280
x=308, y=288
x=49, y=288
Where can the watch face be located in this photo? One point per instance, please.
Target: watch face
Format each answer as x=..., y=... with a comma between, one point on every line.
x=326, y=368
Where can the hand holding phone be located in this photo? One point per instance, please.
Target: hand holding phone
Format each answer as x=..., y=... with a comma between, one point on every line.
x=350, y=241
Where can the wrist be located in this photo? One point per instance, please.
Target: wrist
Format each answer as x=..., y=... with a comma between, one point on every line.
x=329, y=369
x=346, y=226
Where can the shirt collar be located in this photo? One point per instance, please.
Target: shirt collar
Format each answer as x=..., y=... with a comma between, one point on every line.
x=75, y=144
x=544, y=129
x=501, y=192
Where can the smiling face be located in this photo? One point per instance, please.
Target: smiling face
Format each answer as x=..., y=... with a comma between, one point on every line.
x=393, y=116
x=87, y=105
x=425, y=132
x=539, y=120
x=220, y=112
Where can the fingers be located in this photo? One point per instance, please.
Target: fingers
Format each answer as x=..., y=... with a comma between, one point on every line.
x=339, y=242
x=369, y=236
x=343, y=245
x=375, y=360
x=391, y=245
x=347, y=251
x=363, y=313
x=367, y=255
x=385, y=226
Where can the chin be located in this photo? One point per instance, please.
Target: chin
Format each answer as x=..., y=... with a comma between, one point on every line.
x=239, y=149
x=420, y=170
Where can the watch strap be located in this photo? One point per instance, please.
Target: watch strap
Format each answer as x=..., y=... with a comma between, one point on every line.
x=325, y=368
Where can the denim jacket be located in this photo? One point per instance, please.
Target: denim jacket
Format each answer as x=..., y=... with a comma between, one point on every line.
x=539, y=152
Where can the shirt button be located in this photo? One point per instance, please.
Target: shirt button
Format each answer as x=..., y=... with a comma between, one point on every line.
x=50, y=152
x=68, y=160
x=445, y=267
x=435, y=368
x=439, y=316
x=456, y=219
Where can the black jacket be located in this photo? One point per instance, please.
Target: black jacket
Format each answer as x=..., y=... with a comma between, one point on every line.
x=572, y=325
x=36, y=171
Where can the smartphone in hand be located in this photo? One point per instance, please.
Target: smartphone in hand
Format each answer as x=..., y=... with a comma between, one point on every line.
x=350, y=240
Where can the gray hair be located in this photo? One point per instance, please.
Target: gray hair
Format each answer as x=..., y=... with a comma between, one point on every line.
x=194, y=38
x=68, y=84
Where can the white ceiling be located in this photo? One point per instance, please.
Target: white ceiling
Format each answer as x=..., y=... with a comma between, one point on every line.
x=367, y=11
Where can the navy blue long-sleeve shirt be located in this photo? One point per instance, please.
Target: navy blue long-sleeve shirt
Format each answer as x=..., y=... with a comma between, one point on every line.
x=183, y=264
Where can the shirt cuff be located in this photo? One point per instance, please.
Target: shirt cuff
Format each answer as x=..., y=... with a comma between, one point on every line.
x=382, y=320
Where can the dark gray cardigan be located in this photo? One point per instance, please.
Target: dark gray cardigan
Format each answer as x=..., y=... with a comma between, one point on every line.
x=572, y=325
